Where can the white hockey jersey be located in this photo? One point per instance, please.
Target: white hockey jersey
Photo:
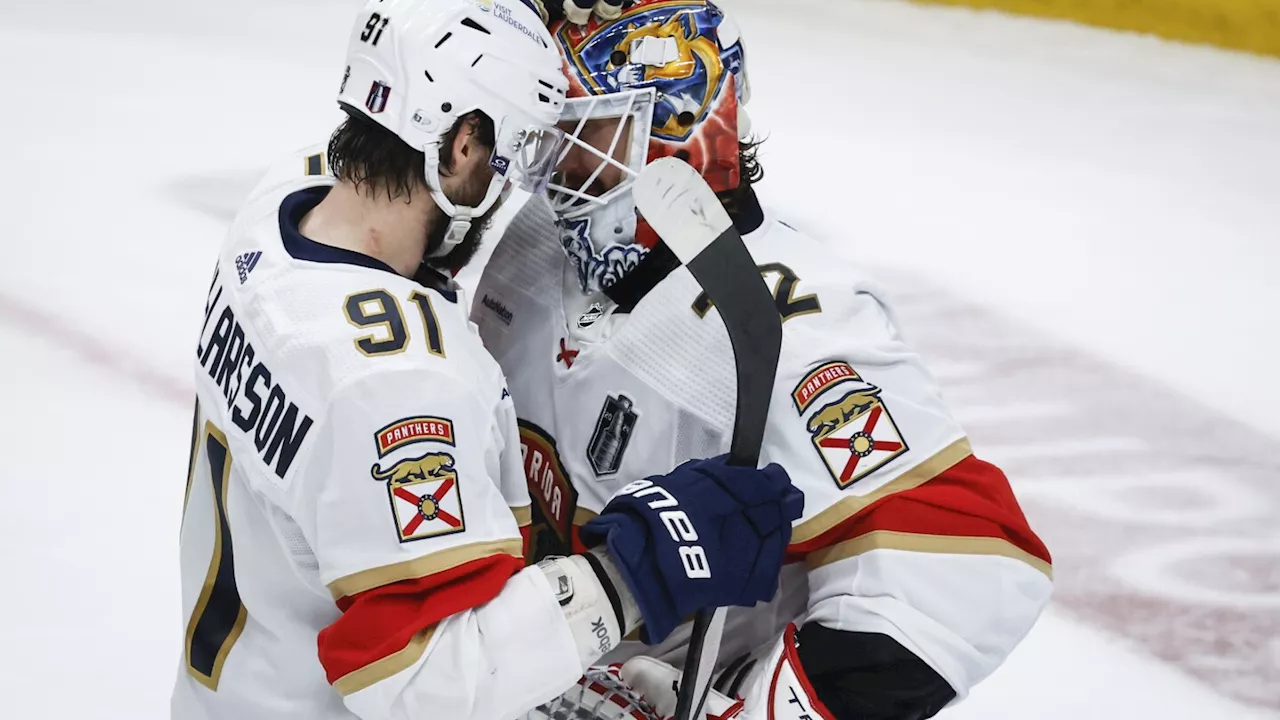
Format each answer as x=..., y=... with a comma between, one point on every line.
x=352, y=544
x=904, y=531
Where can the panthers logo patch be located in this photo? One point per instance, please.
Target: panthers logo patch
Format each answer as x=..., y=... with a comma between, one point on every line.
x=424, y=494
x=854, y=435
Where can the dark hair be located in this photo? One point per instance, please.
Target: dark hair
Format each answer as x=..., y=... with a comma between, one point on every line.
x=362, y=152
x=750, y=172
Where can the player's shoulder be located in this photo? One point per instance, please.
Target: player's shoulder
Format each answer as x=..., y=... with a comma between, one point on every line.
x=781, y=249
x=347, y=321
x=302, y=168
x=258, y=228
x=823, y=294
x=329, y=314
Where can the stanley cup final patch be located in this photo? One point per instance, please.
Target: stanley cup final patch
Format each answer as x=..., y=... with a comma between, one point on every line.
x=854, y=435
x=613, y=431
x=422, y=488
x=379, y=93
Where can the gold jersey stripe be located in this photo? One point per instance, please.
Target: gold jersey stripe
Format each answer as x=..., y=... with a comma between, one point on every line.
x=379, y=670
x=420, y=567
x=940, y=544
x=851, y=505
x=523, y=515
x=315, y=165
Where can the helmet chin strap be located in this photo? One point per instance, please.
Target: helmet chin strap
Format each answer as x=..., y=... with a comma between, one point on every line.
x=459, y=226
x=460, y=216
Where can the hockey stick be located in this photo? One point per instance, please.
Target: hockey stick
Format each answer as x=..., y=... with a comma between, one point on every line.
x=689, y=218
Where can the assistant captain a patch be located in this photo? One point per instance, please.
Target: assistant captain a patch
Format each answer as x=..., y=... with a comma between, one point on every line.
x=855, y=435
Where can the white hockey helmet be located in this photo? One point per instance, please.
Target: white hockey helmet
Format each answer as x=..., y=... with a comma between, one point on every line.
x=416, y=66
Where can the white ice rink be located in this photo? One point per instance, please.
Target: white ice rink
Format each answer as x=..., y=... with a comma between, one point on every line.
x=1115, y=197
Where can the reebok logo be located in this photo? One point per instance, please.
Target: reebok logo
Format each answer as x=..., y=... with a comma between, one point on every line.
x=246, y=263
x=602, y=634
x=498, y=309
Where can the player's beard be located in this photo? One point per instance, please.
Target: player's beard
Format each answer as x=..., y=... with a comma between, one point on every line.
x=472, y=194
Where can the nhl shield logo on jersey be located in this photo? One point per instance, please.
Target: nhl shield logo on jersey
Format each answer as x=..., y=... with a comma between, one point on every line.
x=425, y=498
x=613, y=431
x=589, y=318
x=855, y=435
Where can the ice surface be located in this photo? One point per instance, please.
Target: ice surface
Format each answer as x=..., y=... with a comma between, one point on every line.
x=1116, y=194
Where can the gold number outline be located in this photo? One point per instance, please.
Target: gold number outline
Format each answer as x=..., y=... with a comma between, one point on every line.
x=369, y=345
x=788, y=307
x=430, y=323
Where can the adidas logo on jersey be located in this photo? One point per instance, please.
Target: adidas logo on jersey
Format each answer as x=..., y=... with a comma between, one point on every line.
x=246, y=263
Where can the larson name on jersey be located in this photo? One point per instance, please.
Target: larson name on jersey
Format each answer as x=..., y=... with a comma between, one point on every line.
x=259, y=407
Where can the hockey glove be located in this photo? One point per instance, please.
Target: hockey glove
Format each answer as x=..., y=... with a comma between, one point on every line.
x=705, y=535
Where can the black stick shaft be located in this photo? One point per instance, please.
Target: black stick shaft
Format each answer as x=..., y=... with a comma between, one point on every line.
x=729, y=276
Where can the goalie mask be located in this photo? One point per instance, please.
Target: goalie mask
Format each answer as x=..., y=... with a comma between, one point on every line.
x=663, y=79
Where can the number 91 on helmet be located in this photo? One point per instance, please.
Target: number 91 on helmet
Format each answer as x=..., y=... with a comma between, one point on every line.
x=416, y=66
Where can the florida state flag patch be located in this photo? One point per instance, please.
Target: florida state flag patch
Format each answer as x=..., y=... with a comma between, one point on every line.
x=855, y=435
x=424, y=494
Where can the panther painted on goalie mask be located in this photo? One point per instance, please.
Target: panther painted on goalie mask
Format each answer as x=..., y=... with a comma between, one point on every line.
x=701, y=82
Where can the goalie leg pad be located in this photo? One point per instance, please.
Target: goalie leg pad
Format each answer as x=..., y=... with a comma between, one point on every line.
x=779, y=689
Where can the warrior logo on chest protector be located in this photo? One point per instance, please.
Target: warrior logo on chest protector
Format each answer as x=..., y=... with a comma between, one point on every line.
x=613, y=432
x=555, y=501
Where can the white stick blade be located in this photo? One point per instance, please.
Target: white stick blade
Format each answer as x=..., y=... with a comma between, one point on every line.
x=680, y=207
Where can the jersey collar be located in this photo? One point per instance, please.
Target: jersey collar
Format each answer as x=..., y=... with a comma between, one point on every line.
x=300, y=247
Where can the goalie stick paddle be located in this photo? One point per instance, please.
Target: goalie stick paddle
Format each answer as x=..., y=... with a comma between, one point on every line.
x=687, y=215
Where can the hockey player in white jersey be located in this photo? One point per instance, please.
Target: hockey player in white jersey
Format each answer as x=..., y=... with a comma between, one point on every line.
x=914, y=570
x=352, y=533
